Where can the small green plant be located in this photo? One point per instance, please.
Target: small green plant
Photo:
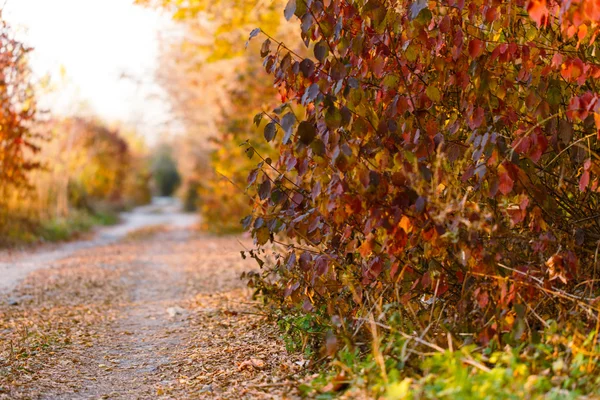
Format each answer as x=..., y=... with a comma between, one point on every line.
x=301, y=332
x=562, y=365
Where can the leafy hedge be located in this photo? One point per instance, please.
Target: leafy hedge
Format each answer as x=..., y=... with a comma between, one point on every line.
x=443, y=169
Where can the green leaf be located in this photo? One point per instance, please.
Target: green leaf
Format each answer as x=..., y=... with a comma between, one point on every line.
x=301, y=8
x=318, y=147
x=411, y=53
x=333, y=118
x=321, y=51
x=416, y=7
x=277, y=196
x=391, y=81
x=554, y=95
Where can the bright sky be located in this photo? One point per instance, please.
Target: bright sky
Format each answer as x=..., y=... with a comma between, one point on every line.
x=97, y=42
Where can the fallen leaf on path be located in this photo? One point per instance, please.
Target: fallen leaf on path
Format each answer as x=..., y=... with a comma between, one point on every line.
x=256, y=363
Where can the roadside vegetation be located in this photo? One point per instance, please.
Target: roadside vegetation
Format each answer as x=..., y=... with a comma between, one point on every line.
x=424, y=193
x=86, y=173
x=59, y=176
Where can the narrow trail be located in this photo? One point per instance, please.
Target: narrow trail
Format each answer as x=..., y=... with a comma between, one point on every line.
x=157, y=313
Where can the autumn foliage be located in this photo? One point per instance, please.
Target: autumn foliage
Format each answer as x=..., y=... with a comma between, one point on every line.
x=17, y=111
x=437, y=158
x=57, y=175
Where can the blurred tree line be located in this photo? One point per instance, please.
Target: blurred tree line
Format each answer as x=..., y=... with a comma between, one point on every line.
x=216, y=86
x=60, y=176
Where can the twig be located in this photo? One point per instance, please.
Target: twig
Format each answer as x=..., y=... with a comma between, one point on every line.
x=533, y=311
x=476, y=364
x=266, y=385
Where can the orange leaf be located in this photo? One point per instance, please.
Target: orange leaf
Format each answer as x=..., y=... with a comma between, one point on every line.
x=538, y=11
x=405, y=224
x=597, y=120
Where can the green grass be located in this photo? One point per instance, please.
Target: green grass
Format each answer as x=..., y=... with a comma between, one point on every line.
x=62, y=229
x=562, y=364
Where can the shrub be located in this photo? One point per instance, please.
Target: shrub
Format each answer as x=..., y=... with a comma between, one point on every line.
x=436, y=172
x=445, y=167
x=89, y=173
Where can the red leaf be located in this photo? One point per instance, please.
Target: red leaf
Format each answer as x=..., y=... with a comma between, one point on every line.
x=557, y=60
x=476, y=48
x=476, y=118
x=491, y=14
x=483, y=299
x=539, y=146
x=572, y=69
x=506, y=182
x=584, y=181
x=441, y=287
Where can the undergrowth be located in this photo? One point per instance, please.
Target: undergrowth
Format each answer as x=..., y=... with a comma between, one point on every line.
x=559, y=363
x=20, y=232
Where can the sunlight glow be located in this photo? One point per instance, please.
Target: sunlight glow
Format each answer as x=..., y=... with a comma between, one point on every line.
x=108, y=49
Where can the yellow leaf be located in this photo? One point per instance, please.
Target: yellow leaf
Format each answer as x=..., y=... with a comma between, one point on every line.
x=433, y=93
x=399, y=390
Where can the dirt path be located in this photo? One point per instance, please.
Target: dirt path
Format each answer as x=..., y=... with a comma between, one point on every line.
x=161, y=313
x=164, y=211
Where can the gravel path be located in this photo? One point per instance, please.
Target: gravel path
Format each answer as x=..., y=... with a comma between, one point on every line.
x=158, y=313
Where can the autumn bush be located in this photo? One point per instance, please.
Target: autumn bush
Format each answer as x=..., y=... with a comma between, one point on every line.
x=18, y=110
x=440, y=184
x=87, y=174
x=57, y=176
x=19, y=141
